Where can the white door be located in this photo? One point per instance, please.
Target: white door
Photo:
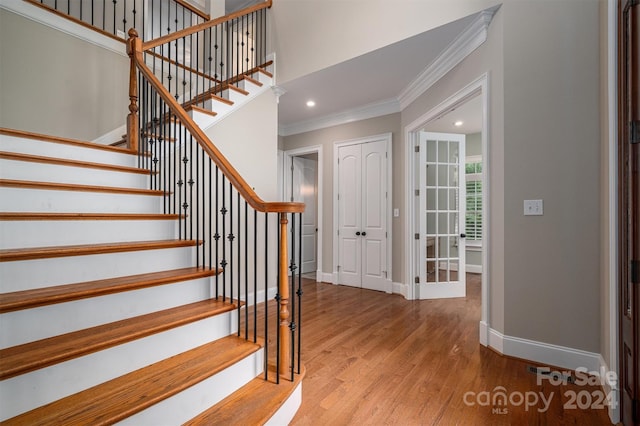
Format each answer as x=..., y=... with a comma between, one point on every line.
x=362, y=215
x=305, y=189
x=441, y=213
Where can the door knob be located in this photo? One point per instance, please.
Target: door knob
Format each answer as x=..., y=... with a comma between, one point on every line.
x=364, y=233
x=358, y=233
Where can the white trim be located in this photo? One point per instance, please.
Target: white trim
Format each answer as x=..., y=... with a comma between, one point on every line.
x=67, y=26
x=400, y=288
x=612, y=72
x=544, y=353
x=376, y=109
x=112, y=136
x=478, y=86
x=315, y=149
x=468, y=41
x=388, y=137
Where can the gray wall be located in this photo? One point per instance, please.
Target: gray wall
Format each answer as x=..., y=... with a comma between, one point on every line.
x=552, y=150
x=544, y=142
x=327, y=138
x=54, y=83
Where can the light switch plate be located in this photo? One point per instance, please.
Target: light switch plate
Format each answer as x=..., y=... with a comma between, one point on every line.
x=533, y=208
x=396, y=212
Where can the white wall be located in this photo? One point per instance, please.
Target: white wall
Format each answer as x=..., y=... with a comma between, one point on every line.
x=248, y=138
x=57, y=84
x=325, y=33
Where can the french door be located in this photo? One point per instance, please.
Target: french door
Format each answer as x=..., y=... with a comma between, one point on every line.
x=441, y=215
x=362, y=215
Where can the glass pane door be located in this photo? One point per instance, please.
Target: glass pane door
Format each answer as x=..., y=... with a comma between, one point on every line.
x=441, y=213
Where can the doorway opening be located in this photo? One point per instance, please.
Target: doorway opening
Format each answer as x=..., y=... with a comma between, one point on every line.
x=302, y=179
x=473, y=95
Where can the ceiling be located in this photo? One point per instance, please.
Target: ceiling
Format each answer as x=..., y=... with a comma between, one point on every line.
x=373, y=78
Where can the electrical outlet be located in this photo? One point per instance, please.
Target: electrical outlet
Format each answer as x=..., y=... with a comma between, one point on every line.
x=533, y=208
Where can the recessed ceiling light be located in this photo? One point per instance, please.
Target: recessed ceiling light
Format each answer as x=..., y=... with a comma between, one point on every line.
x=458, y=123
x=311, y=104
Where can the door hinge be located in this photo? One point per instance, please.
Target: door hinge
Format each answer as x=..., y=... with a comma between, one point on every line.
x=634, y=271
x=417, y=191
x=417, y=280
x=634, y=131
x=338, y=196
x=416, y=236
x=338, y=268
x=386, y=235
x=416, y=148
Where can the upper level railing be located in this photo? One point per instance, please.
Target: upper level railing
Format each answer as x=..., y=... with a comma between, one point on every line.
x=113, y=18
x=197, y=63
x=241, y=235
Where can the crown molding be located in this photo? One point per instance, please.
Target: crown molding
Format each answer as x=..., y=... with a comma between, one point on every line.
x=364, y=112
x=468, y=41
x=54, y=21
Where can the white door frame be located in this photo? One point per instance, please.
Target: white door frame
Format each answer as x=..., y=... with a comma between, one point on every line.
x=479, y=86
x=336, y=145
x=288, y=155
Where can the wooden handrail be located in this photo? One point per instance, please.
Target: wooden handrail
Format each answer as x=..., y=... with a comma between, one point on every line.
x=200, y=27
x=194, y=9
x=134, y=49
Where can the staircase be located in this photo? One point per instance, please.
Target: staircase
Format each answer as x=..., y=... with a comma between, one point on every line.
x=104, y=318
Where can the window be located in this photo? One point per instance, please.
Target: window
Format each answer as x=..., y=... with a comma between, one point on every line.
x=473, y=218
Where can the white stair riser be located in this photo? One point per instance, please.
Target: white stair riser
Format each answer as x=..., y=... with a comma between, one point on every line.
x=203, y=120
x=41, y=200
x=263, y=78
x=234, y=96
x=192, y=401
x=61, y=150
x=217, y=106
x=34, y=324
x=39, y=273
x=249, y=86
x=44, y=233
x=42, y=172
x=288, y=409
x=30, y=390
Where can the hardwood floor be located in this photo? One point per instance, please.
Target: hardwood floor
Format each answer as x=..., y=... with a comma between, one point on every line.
x=378, y=359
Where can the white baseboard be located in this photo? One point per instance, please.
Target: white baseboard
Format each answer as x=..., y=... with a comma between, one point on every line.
x=614, y=408
x=544, y=353
x=401, y=289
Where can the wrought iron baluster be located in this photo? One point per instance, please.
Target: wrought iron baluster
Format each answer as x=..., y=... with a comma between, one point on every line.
x=266, y=295
x=299, y=292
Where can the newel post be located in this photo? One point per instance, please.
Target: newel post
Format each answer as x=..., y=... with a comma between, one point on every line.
x=283, y=290
x=134, y=45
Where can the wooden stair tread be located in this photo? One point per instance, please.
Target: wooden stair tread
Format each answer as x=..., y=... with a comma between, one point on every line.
x=32, y=356
x=252, y=80
x=18, y=216
x=201, y=110
x=253, y=404
x=10, y=183
x=265, y=72
x=73, y=163
x=65, y=141
x=129, y=394
x=8, y=255
x=157, y=136
x=27, y=299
